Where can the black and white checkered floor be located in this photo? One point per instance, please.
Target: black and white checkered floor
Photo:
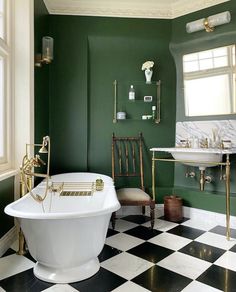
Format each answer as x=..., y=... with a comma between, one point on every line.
x=190, y=256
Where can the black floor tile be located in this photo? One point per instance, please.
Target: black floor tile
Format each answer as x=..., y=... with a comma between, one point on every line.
x=29, y=256
x=111, y=232
x=185, y=231
x=103, y=281
x=25, y=281
x=158, y=279
x=8, y=252
x=202, y=251
x=150, y=252
x=108, y=252
x=233, y=248
x=139, y=219
x=143, y=232
x=219, y=278
x=181, y=221
x=222, y=231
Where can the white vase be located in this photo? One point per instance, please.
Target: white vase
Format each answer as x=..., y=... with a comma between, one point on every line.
x=148, y=75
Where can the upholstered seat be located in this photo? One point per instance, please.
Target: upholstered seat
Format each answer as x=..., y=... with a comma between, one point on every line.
x=127, y=165
x=132, y=194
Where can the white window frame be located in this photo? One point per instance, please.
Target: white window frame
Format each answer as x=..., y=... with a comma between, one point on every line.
x=226, y=70
x=6, y=162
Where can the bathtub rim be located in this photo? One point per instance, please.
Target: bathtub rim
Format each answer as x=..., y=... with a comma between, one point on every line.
x=64, y=215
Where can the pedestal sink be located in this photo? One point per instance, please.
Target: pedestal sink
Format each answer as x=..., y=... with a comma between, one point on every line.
x=200, y=157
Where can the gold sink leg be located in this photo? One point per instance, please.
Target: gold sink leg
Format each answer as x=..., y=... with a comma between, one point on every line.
x=227, y=186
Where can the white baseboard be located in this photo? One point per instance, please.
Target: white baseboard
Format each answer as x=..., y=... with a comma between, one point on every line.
x=192, y=213
x=7, y=240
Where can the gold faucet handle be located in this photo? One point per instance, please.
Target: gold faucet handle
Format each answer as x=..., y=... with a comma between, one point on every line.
x=185, y=143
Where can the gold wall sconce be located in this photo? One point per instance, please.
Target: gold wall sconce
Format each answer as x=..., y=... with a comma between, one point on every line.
x=47, y=52
x=208, y=23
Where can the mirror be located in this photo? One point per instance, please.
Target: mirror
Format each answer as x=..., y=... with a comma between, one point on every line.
x=209, y=82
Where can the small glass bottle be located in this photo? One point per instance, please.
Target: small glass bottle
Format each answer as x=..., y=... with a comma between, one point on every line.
x=153, y=112
x=131, y=93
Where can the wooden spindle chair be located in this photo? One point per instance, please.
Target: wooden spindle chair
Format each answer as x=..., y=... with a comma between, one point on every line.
x=127, y=165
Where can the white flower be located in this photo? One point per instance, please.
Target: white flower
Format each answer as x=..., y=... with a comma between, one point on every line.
x=147, y=65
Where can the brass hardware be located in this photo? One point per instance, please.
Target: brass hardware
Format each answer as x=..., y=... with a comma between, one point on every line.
x=158, y=102
x=207, y=26
x=204, y=143
x=202, y=180
x=75, y=193
x=158, y=116
x=185, y=143
x=227, y=186
x=29, y=163
x=115, y=101
x=21, y=238
x=191, y=174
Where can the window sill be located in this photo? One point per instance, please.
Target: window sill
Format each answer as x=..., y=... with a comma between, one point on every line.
x=9, y=173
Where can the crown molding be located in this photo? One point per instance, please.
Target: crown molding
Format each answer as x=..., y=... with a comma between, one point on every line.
x=162, y=9
x=183, y=7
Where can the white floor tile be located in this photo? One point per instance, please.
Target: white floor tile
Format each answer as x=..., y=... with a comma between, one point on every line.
x=185, y=265
x=161, y=225
x=126, y=265
x=131, y=287
x=196, y=286
x=14, y=264
x=216, y=240
x=227, y=260
x=15, y=245
x=123, y=241
x=199, y=224
x=123, y=225
x=60, y=288
x=170, y=241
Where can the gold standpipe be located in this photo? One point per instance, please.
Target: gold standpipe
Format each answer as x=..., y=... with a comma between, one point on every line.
x=21, y=243
x=153, y=177
x=26, y=179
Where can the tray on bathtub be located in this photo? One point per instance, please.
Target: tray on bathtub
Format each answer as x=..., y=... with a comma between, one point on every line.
x=74, y=188
x=76, y=193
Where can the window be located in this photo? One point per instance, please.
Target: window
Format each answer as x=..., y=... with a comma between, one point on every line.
x=209, y=82
x=2, y=18
x=5, y=94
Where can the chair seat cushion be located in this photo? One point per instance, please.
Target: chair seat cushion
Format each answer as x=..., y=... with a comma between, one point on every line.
x=132, y=194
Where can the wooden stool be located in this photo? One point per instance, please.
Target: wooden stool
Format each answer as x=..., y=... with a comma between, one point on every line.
x=173, y=208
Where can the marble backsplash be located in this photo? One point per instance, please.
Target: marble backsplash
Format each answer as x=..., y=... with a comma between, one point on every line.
x=222, y=129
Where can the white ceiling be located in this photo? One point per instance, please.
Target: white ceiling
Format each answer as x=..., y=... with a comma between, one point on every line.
x=167, y=9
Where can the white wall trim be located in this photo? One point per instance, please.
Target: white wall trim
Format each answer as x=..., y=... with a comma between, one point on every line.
x=192, y=213
x=130, y=8
x=7, y=240
x=24, y=77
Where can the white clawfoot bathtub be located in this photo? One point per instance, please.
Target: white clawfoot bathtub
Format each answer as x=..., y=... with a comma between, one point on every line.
x=66, y=238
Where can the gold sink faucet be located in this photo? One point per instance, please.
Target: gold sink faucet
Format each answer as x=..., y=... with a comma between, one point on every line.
x=204, y=143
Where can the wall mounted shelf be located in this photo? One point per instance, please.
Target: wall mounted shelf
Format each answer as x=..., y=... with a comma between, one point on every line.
x=135, y=109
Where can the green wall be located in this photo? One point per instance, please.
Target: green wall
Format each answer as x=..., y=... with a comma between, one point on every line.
x=90, y=53
x=183, y=43
x=7, y=196
x=213, y=198
x=41, y=86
